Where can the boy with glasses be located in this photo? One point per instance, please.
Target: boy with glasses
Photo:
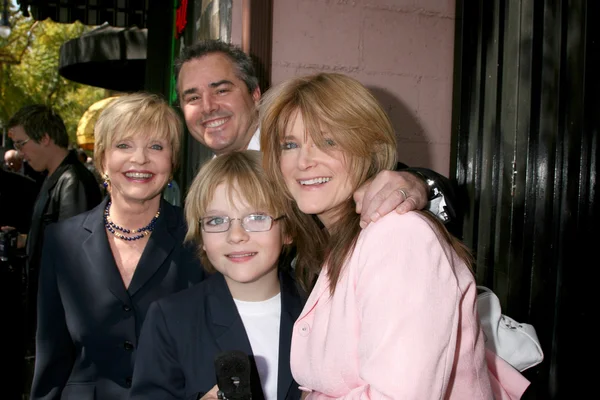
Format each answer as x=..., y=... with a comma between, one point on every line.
x=249, y=303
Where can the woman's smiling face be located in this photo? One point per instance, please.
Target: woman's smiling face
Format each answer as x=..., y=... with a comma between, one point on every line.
x=138, y=168
x=319, y=181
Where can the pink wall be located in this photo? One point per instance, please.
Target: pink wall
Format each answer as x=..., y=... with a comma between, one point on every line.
x=401, y=49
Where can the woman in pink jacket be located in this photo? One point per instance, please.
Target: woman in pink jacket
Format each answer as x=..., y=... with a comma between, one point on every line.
x=392, y=309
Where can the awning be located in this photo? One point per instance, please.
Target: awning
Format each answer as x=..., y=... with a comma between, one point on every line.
x=85, y=127
x=106, y=57
x=118, y=13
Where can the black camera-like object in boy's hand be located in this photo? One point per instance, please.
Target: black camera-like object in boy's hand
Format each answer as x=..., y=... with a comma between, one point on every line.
x=8, y=243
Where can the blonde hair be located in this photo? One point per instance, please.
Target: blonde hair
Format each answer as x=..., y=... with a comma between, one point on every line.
x=244, y=176
x=338, y=107
x=138, y=113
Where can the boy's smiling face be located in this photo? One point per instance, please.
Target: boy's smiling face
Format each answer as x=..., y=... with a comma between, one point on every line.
x=248, y=260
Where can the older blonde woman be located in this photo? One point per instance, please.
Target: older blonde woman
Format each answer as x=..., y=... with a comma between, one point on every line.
x=392, y=313
x=101, y=270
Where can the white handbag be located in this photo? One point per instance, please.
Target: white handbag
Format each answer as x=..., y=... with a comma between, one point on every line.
x=514, y=342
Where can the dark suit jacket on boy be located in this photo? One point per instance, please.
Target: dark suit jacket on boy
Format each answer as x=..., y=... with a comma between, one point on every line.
x=184, y=332
x=88, y=323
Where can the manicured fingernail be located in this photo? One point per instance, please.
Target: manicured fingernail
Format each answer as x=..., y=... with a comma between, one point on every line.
x=375, y=216
x=363, y=224
x=401, y=209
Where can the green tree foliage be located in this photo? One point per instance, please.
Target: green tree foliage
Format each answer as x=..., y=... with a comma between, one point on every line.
x=29, y=71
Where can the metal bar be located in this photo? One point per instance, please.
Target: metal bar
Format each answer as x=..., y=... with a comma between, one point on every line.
x=246, y=25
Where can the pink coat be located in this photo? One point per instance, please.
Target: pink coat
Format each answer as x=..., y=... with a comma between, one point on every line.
x=402, y=324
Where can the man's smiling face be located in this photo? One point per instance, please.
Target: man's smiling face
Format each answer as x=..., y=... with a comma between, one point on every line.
x=218, y=109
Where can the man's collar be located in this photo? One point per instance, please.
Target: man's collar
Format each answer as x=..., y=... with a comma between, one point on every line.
x=255, y=141
x=69, y=158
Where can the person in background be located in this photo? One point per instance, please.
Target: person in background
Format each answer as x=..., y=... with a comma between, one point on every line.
x=172, y=193
x=102, y=269
x=391, y=312
x=68, y=189
x=17, y=197
x=17, y=193
x=13, y=161
x=218, y=92
x=249, y=302
x=82, y=155
x=89, y=164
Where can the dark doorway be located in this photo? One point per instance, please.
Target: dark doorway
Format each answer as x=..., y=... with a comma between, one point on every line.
x=525, y=130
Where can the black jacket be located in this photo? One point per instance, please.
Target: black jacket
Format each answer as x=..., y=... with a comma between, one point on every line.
x=17, y=196
x=184, y=332
x=88, y=323
x=454, y=203
x=70, y=190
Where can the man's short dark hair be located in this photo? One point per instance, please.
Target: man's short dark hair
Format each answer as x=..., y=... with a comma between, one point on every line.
x=241, y=60
x=38, y=120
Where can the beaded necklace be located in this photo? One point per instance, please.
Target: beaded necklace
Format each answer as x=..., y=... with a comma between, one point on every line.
x=141, y=232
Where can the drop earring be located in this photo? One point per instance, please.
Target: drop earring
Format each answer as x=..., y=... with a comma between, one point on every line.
x=106, y=181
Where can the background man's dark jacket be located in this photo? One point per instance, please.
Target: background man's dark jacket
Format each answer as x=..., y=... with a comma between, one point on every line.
x=17, y=196
x=70, y=190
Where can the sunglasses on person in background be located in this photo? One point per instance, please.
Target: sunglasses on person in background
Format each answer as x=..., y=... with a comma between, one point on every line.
x=250, y=223
x=18, y=145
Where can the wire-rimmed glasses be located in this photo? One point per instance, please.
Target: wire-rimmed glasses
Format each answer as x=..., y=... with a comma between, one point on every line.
x=18, y=145
x=250, y=223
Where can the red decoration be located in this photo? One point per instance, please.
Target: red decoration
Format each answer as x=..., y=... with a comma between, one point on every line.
x=181, y=20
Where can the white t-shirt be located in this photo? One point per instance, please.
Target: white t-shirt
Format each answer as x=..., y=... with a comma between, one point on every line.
x=261, y=320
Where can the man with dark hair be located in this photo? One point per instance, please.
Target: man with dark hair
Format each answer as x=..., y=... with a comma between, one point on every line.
x=69, y=189
x=218, y=92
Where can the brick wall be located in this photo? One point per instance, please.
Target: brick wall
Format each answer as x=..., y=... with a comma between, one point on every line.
x=401, y=49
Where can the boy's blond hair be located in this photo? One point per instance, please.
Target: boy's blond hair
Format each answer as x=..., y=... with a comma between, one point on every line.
x=243, y=174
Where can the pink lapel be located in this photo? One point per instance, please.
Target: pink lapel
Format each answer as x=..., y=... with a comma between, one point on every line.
x=318, y=291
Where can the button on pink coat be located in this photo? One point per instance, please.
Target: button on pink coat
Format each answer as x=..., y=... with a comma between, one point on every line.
x=402, y=324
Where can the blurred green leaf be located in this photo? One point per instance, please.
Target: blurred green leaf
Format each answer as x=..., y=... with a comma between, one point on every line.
x=29, y=71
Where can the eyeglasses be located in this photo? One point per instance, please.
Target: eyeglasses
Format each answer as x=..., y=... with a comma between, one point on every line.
x=18, y=145
x=250, y=223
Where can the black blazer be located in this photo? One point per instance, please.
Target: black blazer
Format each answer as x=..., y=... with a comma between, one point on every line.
x=88, y=323
x=184, y=332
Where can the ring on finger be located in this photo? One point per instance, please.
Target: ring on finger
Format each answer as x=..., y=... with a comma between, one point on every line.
x=412, y=200
x=403, y=193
